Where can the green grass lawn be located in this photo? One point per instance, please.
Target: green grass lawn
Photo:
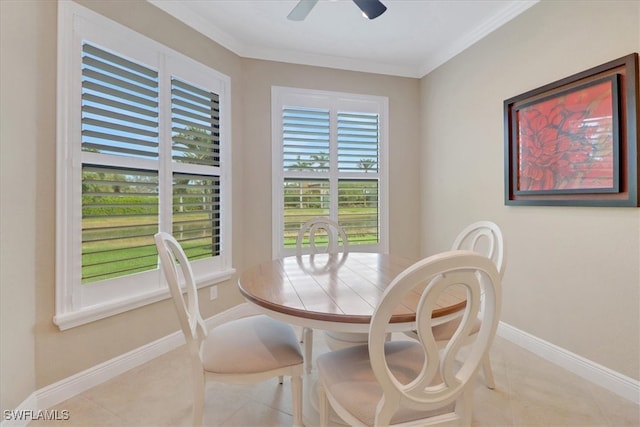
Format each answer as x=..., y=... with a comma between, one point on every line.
x=122, y=255
x=113, y=252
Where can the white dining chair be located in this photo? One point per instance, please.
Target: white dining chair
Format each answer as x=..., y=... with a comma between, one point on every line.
x=240, y=347
x=335, y=241
x=484, y=237
x=408, y=382
x=329, y=232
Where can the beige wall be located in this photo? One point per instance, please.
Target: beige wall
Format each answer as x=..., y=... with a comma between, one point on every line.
x=565, y=265
x=403, y=94
x=20, y=116
x=573, y=275
x=34, y=352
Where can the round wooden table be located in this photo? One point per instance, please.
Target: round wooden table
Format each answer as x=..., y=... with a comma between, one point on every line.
x=337, y=292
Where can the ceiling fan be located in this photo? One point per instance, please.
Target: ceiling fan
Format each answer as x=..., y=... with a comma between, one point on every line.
x=370, y=8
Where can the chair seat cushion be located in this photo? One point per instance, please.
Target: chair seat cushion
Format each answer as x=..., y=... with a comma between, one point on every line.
x=249, y=345
x=347, y=375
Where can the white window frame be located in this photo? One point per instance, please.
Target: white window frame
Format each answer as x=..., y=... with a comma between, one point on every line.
x=334, y=102
x=77, y=304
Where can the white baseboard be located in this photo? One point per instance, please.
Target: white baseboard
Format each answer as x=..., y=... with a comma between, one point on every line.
x=67, y=388
x=82, y=381
x=53, y=394
x=15, y=419
x=613, y=381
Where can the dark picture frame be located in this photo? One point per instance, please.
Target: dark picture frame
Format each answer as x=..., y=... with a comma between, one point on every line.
x=574, y=142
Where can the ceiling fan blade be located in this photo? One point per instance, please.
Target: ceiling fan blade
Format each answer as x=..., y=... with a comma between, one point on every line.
x=301, y=10
x=371, y=8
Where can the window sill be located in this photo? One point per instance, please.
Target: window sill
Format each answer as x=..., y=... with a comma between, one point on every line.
x=96, y=312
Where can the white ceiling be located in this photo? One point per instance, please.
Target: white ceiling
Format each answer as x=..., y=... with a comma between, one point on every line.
x=410, y=39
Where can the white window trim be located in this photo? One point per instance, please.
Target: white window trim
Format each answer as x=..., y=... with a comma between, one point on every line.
x=281, y=96
x=73, y=308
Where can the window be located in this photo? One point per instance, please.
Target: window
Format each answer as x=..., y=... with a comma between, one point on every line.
x=329, y=160
x=143, y=146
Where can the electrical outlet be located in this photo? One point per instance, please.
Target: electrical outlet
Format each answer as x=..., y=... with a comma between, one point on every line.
x=213, y=292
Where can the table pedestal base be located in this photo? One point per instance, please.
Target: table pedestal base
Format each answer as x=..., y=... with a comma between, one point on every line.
x=340, y=340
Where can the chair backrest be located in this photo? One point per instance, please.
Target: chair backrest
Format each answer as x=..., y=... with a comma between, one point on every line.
x=330, y=231
x=484, y=237
x=441, y=380
x=178, y=273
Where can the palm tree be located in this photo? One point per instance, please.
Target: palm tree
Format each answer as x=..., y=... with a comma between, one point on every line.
x=300, y=165
x=321, y=160
x=366, y=164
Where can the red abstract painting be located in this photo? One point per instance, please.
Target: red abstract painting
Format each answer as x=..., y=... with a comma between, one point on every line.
x=566, y=142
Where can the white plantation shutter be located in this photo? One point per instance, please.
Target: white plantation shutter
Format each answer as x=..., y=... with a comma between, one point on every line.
x=143, y=146
x=305, y=140
x=119, y=204
x=358, y=153
x=196, y=214
x=328, y=158
x=305, y=149
x=119, y=219
x=358, y=142
x=195, y=126
x=195, y=116
x=119, y=105
x=358, y=210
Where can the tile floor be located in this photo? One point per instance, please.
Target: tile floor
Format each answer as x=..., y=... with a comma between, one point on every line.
x=529, y=392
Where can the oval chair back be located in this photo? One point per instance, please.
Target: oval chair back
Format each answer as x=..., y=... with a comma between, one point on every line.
x=329, y=230
x=416, y=382
x=484, y=237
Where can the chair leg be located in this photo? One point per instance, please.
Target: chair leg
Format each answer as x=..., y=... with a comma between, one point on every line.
x=198, y=402
x=323, y=406
x=464, y=406
x=308, y=348
x=198, y=382
x=488, y=372
x=296, y=398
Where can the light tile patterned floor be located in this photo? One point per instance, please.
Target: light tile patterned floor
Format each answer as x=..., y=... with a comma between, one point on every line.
x=529, y=392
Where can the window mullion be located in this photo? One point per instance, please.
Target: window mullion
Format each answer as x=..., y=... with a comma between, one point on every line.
x=165, y=172
x=333, y=165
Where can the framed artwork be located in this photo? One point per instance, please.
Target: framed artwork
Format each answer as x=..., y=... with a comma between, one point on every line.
x=574, y=142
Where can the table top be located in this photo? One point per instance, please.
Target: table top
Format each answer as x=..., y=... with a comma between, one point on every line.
x=340, y=288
